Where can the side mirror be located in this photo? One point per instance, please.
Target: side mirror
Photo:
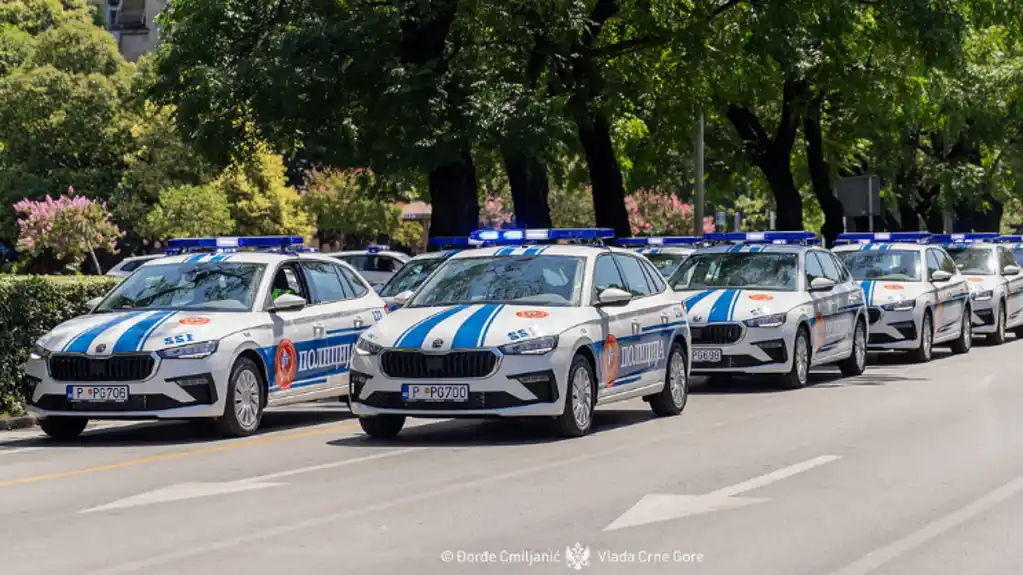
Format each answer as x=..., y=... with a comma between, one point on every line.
x=402, y=298
x=1011, y=270
x=822, y=284
x=288, y=302
x=94, y=303
x=940, y=276
x=613, y=297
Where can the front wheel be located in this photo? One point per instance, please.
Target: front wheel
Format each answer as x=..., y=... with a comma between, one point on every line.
x=580, y=399
x=856, y=363
x=63, y=428
x=964, y=342
x=382, y=426
x=243, y=408
x=672, y=399
x=923, y=353
x=998, y=337
x=796, y=378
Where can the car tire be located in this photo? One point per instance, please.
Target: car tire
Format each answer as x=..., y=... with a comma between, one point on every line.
x=856, y=363
x=964, y=342
x=382, y=426
x=576, y=419
x=797, y=377
x=925, y=352
x=673, y=397
x=243, y=404
x=63, y=428
x=998, y=337
x=1018, y=332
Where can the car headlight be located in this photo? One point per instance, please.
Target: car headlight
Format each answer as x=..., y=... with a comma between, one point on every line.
x=366, y=347
x=39, y=352
x=901, y=305
x=190, y=351
x=983, y=295
x=538, y=346
x=773, y=320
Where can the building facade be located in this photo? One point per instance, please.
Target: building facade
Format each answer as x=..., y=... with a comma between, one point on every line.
x=133, y=24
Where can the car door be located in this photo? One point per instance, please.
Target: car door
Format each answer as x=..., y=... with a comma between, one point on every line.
x=1013, y=288
x=643, y=352
x=614, y=325
x=323, y=365
x=821, y=307
x=295, y=331
x=839, y=327
x=949, y=308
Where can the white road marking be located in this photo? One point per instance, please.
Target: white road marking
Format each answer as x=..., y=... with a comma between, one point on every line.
x=879, y=557
x=17, y=450
x=193, y=490
x=659, y=507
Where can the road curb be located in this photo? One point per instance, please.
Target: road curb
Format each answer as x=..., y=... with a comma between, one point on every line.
x=11, y=423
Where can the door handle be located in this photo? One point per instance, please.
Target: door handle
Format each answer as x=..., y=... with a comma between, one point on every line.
x=358, y=322
x=319, y=330
x=635, y=327
x=664, y=318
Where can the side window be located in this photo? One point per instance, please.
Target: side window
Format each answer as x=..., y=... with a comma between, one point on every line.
x=947, y=263
x=933, y=262
x=359, y=262
x=632, y=268
x=606, y=275
x=324, y=282
x=1005, y=257
x=388, y=264
x=828, y=265
x=356, y=284
x=654, y=277
x=843, y=272
x=287, y=281
x=813, y=267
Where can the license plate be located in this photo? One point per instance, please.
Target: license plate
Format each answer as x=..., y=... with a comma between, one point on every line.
x=707, y=355
x=97, y=393
x=415, y=392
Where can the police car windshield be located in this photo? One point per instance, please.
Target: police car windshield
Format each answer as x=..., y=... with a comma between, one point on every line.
x=1018, y=254
x=410, y=276
x=744, y=270
x=666, y=263
x=891, y=265
x=974, y=261
x=209, y=286
x=536, y=280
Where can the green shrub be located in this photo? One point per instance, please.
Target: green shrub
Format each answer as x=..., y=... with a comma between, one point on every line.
x=29, y=307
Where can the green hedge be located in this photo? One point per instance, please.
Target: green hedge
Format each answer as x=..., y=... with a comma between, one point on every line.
x=29, y=307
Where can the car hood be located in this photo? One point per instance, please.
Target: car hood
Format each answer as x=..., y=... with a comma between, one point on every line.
x=136, y=331
x=981, y=283
x=725, y=305
x=884, y=292
x=472, y=326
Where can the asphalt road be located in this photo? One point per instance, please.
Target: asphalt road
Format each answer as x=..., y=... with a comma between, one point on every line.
x=907, y=469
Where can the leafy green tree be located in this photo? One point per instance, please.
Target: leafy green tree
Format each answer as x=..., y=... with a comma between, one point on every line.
x=190, y=211
x=343, y=209
x=37, y=16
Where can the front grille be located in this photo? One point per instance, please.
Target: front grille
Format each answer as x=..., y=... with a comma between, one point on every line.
x=875, y=314
x=116, y=368
x=716, y=334
x=477, y=400
x=454, y=365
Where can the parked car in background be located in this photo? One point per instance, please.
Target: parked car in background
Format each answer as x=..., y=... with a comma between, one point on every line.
x=375, y=263
x=665, y=253
x=415, y=271
x=127, y=266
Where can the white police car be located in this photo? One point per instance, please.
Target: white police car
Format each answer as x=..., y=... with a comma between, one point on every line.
x=916, y=295
x=1014, y=245
x=205, y=335
x=996, y=284
x=772, y=303
x=526, y=328
x=377, y=264
x=415, y=271
x=665, y=253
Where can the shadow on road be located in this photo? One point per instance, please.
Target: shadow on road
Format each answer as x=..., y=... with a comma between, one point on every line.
x=186, y=432
x=496, y=432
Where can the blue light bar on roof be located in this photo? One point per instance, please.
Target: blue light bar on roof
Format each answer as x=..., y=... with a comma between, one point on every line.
x=763, y=237
x=666, y=241
x=963, y=238
x=541, y=235
x=377, y=249
x=453, y=242
x=868, y=237
x=1009, y=239
x=228, y=243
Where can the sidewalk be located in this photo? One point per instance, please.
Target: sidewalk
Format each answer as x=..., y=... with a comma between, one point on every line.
x=18, y=422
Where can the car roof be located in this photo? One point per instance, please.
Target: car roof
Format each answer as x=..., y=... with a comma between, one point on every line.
x=756, y=248
x=390, y=253
x=884, y=246
x=439, y=255
x=243, y=257
x=584, y=250
x=671, y=250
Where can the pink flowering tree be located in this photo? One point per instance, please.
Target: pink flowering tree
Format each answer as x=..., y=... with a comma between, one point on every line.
x=653, y=213
x=72, y=226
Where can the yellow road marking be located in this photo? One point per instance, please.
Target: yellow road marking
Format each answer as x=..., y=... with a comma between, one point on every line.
x=176, y=455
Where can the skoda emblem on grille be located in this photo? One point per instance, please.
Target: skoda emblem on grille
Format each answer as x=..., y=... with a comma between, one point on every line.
x=101, y=348
x=437, y=343
x=698, y=318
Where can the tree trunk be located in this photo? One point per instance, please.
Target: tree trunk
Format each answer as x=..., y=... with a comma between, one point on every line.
x=820, y=177
x=527, y=177
x=773, y=155
x=906, y=183
x=929, y=208
x=605, y=173
x=455, y=205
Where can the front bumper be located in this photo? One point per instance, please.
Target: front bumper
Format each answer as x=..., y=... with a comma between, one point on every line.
x=175, y=389
x=522, y=385
x=983, y=316
x=757, y=350
x=893, y=329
